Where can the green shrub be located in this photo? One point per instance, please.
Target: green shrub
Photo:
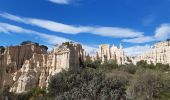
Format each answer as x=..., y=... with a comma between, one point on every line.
x=131, y=69
x=86, y=84
x=109, y=66
x=92, y=64
x=162, y=67
x=146, y=85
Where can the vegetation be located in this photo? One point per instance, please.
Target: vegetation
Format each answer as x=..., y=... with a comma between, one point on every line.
x=45, y=47
x=2, y=49
x=87, y=84
x=34, y=94
x=158, y=66
x=67, y=43
x=147, y=85
x=37, y=44
x=107, y=81
x=28, y=42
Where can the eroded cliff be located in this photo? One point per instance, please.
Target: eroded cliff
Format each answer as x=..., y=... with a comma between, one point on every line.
x=28, y=66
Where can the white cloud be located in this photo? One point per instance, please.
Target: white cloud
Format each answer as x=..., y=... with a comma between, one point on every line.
x=49, y=39
x=162, y=32
x=66, y=2
x=136, y=50
x=58, y=27
x=143, y=39
x=116, y=32
x=52, y=39
x=7, y=28
x=76, y=29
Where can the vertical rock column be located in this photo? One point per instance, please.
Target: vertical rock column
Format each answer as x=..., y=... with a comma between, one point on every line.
x=2, y=72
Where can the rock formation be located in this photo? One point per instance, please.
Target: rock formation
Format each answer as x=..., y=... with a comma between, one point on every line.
x=106, y=53
x=2, y=69
x=2, y=73
x=159, y=53
x=29, y=65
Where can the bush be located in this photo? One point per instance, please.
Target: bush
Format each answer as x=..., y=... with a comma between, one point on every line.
x=144, y=64
x=131, y=69
x=87, y=84
x=109, y=66
x=93, y=64
x=34, y=94
x=162, y=67
x=146, y=85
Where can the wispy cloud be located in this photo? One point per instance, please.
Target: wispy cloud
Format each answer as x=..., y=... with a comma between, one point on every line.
x=163, y=32
x=52, y=39
x=49, y=39
x=76, y=29
x=116, y=32
x=136, y=50
x=143, y=39
x=65, y=2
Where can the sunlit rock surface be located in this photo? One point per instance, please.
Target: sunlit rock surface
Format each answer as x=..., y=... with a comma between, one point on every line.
x=106, y=53
x=159, y=53
x=30, y=65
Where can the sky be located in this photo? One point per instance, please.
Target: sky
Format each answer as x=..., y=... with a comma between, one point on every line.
x=136, y=24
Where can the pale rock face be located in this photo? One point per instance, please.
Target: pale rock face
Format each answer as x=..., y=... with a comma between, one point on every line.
x=27, y=79
x=64, y=57
x=16, y=55
x=159, y=53
x=29, y=66
x=106, y=53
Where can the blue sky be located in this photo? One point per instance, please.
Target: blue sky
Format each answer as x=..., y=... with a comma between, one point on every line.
x=136, y=24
